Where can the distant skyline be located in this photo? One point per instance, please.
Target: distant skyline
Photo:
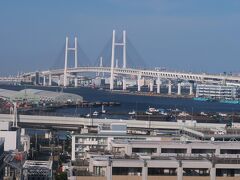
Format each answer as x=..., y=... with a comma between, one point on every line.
x=187, y=35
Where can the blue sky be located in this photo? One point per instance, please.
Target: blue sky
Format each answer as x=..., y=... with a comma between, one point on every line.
x=183, y=35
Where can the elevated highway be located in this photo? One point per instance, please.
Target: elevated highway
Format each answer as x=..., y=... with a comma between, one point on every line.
x=80, y=122
x=12, y=79
x=143, y=73
x=76, y=123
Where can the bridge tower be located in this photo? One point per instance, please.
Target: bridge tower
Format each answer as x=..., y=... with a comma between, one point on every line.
x=114, y=44
x=67, y=48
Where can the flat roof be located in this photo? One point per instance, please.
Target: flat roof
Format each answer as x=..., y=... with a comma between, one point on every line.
x=115, y=135
x=172, y=157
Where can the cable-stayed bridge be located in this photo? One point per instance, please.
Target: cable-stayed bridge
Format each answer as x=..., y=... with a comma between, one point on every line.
x=121, y=70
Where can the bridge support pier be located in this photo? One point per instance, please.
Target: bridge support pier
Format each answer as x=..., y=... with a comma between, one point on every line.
x=75, y=81
x=139, y=83
x=59, y=81
x=124, y=83
x=169, y=87
x=158, y=85
x=179, y=88
x=44, y=80
x=191, y=89
x=151, y=85
x=36, y=78
x=50, y=80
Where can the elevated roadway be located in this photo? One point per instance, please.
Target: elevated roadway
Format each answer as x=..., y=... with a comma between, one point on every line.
x=75, y=123
x=80, y=122
x=197, y=77
x=11, y=79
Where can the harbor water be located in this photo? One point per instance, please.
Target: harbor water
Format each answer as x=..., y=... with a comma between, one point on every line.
x=130, y=102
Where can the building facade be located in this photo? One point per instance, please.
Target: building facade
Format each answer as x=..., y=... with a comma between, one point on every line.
x=148, y=160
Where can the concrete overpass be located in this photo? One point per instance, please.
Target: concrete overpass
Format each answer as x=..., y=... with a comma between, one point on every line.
x=76, y=123
x=80, y=122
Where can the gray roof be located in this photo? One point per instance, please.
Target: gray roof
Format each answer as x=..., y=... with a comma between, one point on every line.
x=41, y=95
x=7, y=93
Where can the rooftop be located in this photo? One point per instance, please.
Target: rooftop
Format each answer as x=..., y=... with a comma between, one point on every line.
x=37, y=94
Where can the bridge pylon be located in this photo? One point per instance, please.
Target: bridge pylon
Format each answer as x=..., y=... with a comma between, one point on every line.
x=114, y=44
x=67, y=48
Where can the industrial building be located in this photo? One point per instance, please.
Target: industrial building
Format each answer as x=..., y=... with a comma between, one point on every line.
x=50, y=96
x=7, y=94
x=40, y=95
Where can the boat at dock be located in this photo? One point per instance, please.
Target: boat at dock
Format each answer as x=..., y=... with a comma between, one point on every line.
x=226, y=101
x=103, y=110
x=229, y=101
x=201, y=99
x=95, y=113
x=148, y=113
x=152, y=110
x=132, y=112
x=87, y=115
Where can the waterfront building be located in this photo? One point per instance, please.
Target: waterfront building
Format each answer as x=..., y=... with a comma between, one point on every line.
x=36, y=95
x=58, y=97
x=212, y=91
